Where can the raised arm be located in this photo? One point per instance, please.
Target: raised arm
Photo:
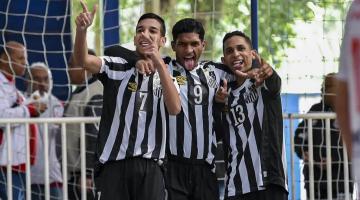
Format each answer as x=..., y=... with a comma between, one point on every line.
x=80, y=54
x=170, y=93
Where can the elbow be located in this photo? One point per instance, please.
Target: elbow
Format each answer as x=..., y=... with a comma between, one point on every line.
x=77, y=76
x=173, y=104
x=175, y=109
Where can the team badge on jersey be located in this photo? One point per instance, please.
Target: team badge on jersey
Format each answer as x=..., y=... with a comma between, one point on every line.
x=132, y=86
x=157, y=89
x=251, y=94
x=211, y=77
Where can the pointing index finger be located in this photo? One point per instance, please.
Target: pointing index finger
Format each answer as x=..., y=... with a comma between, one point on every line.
x=225, y=84
x=84, y=7
x=94, y=10
x=258, y=58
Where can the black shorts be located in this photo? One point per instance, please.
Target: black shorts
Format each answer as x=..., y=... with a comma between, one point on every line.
x=186, y=180
x=133, y=178
x=271, y=192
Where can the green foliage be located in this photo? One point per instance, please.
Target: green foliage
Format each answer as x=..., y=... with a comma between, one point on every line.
x=276, y=20
x=77, y=9
x=128, y=19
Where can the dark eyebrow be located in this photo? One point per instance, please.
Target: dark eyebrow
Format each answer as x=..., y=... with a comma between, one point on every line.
x=154, y=27
x=151, y=27
x=240, y=45
x=228, y=48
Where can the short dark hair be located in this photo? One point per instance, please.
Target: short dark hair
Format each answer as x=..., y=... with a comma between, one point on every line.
x=237, y=33
x=157, y=18
x=188, y=25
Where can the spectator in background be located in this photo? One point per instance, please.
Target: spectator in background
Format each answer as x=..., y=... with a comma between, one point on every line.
x=348, y=92
x=13, y=61
x=86, y=100
x=327, y=104
x=39, y=87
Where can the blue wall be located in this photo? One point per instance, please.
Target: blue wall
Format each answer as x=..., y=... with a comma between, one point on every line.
x=290, y=104
x=111, y=23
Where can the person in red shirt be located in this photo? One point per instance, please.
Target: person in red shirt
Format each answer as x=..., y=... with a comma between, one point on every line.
x=12, y=105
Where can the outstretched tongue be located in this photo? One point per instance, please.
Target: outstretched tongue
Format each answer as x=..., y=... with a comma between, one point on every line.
x=189, y=63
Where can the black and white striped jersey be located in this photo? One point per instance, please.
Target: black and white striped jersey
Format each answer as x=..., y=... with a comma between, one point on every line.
x=242, y=126
x=133, y=117
x=191, y=133
x=253, y=137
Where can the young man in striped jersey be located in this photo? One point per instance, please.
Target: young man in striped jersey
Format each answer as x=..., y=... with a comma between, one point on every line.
x=192, y=143
x=252, y=126
x=190, y=170
x=132, y=134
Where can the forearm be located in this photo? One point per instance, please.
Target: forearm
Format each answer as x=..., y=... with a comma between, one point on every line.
x=80, y=48
x=342, y=111
x=273, y=83
x=81, y=57
x=170, y=93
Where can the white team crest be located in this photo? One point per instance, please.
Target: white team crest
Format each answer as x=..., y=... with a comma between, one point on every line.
x=157, y=89
x=210, y=76
x=251, y=94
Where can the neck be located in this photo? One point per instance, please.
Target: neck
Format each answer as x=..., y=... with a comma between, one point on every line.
x=240, y=80
x=141, y=56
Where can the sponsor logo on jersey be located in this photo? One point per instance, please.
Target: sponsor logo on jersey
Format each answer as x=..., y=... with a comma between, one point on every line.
x=157, y=92
x=132, y=86
x=181, y=80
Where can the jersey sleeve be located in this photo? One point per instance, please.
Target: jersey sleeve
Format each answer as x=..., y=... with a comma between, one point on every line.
x=273, y=84
x=222, y=72
x=119, y=51
x=116, y=68
x=117, y=61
